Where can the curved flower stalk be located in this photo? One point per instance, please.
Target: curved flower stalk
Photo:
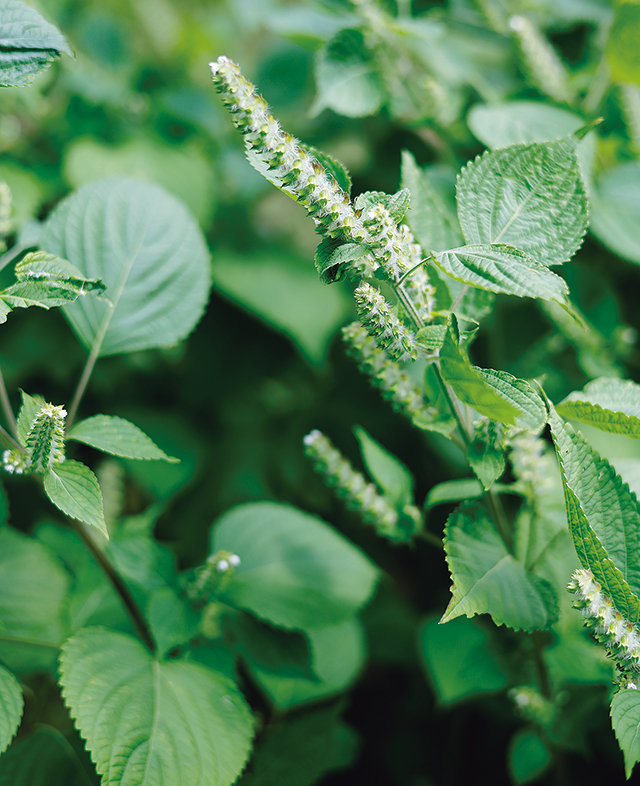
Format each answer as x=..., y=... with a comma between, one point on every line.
x=620, y=636
x=359, y=495
x=391, y=245
x=383, y=324
x=395, y=384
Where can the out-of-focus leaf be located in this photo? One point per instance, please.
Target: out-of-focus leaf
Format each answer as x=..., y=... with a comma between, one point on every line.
x=117, y=436
x=615, y=210
x=622, y=47
x=11, y=704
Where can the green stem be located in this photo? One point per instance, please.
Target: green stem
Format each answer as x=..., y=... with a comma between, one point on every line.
x=119, y=585
x=9, y=441
x=84, y=381
x=6, y=407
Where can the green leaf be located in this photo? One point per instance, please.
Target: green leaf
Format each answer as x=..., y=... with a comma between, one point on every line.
x=434, y=224
x=486, y=459
x=397, y=204
x=149, y=721
x=28, y=43
x=499, y=268
x=469, y=384
x=609, y=403
x=33, y=757
x=296, y=571
x=522, y=122
x=332, y=256
x=117, y=436
x=487, y=579
x=622, y=46
x=148, y=250
x=337, y=656
x=49, y=268
x=321, y=742
x=389, y=473
x=519, y=393
x=29, y=409
x=32, y=602
x=431, y=337
x=347, y=78
x=285, y=294
x=625, y=719
x=171, y=619
x=457, y=490
x=615, y=210
x=11, y=705
x=528, y=196
x=458, y=659
x=529, y=757
x=73, y=488
x=604, y=516
x=337, y=170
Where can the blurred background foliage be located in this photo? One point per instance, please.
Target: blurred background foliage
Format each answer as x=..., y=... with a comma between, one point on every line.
x=362, y=81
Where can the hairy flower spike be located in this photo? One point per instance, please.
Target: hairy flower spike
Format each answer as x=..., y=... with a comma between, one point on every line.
x=358, y=494
x=620, y=636
x=420, y=292
x=45, y=439
x=395, y=384
x=392, y=246
x=381, y=322
x=15, y=461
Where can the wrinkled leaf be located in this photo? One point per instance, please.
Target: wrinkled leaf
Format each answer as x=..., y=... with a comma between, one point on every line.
x=609, y=403
x=11, y=704
x=625, y=719
x=73, y=488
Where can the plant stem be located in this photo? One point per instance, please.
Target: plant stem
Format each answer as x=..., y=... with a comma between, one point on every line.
x=119, y=585
x=10, y=441
x=6, y=407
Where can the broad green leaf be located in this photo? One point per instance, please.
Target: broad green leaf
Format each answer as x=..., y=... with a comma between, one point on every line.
x=458, y=660
x=332, y=257
x=469, y=384
x=457, y=490
x=522, y=122
x=32, y=610
x=117, y=436
x=148, y=250
x=500, y=268
x=625, y=719
x=486, y=459
x=337, y=656
x=171, y=619
x=487, y=579
x=320, y=740
x=28, y=43
x=73, y=488
x=33, y=757
x=622, y=47
x=529, y=757
x=434, y=224
x=611, y=510
x=528, y=196
x=11, y=704
x=347, y=78
x=390, y=474
x=615, y=210
x=519, y=393
x=150, y=721
x=296, y=571
x=286, y=296
x=609, y=403
x=29, y=409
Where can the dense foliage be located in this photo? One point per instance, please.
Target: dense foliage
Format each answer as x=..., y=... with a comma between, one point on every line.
x=293, y=508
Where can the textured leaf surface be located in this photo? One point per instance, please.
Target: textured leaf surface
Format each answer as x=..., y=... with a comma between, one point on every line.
x=391, y=475
x=32, y=611
x=457, y=490
x=73, y=488
x=28, y=43
x=625, y=719
x=528, y=196
x=458, y=659
x=434, y=224
x=469, y=384
x=501, y=268
x=609, y=403
x=487, y=579
x=520, y=394
x=615, y=210
x=296, y=571
x=33, y=757
x=148, y=250
x=151, y=723
x=346, y=76
x=11, y=704
x=594, y=495
x=117, y=436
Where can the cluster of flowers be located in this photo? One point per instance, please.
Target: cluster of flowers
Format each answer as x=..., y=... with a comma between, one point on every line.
x=217, y=567
x=359, y=495
x=620, y=636
x=44, y=443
